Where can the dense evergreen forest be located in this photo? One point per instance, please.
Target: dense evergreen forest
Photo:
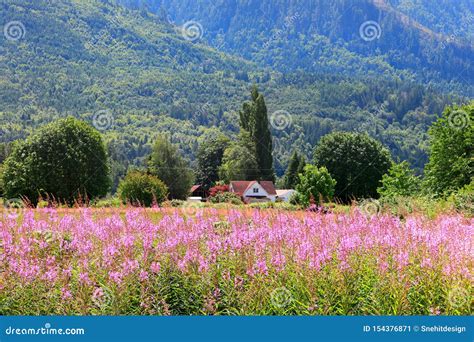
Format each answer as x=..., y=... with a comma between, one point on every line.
x=79, y=58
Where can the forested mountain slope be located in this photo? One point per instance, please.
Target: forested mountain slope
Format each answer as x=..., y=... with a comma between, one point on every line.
x=81, y=57
x=355, y=37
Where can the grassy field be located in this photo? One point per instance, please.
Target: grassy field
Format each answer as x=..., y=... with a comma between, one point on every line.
x=234, y=261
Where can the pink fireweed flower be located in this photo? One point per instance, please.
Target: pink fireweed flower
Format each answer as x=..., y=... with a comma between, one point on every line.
x=143, y=275
x=129, y=266
x=279, y=261
x=426, y=263
x=128, y=241
x=84, y=278
x=401, y=260
x=65, y=293
x=67, y=272
x=155, y=267
x=262, y=243
x=238, y=282
x=98, y=294
x=50, y=276
x=116, y=277
x=261, y=267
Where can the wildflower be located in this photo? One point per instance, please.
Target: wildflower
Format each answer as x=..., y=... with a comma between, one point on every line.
x=65, y=294
x=143, y=275
x=67, y=272
x=155, y=267
x=84, y=278
x=116, y=277
x=98, y=293
x=238, y=282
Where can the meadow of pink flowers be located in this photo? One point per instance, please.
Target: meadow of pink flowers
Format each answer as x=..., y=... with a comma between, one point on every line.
x=242, y=262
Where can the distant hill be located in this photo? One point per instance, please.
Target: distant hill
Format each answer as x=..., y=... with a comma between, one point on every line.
x=354, y=37
x=453, y=19
x=81, y=57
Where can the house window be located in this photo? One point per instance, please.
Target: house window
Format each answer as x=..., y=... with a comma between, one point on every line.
x=255, y=190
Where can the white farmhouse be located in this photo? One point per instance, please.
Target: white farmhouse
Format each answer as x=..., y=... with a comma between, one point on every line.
x=254, y=191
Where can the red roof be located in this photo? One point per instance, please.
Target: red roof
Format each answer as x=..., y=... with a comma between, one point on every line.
x=269, y=187
x=240, y=187
x=194, y=188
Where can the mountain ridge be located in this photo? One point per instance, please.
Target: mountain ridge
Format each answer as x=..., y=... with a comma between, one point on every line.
x=260, y=32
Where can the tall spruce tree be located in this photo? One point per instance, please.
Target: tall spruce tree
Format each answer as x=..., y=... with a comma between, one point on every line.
x=254, y=120
x=291, y=174
x=301, y=166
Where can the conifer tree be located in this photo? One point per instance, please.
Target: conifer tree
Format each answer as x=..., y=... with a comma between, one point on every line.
x=291, y=174
x=254, y=120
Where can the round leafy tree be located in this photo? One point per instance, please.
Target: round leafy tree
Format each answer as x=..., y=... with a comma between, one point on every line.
x=356, y=161
x=139, y=188
x=167, y=163
x=314, y=184
x=451, y=164
x=65, y=160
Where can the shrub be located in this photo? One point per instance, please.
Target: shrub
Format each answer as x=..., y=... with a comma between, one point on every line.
x=226, y=197
x=399, y=181
x=65, y=160
x=218, y=189
x=314, y=184
x=139, y=188
x=110, y=202
x=356, y=161
x=275, y=205
x=463, y=199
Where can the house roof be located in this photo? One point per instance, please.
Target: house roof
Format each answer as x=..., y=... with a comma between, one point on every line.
x=269, y=187
x=283, y=192
x=194, y=188
x=240, y=187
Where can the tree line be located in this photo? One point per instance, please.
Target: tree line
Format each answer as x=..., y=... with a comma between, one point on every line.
x=67, y=161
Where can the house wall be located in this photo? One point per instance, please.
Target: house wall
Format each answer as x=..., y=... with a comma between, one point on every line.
x=286, y=196
x=261, y=191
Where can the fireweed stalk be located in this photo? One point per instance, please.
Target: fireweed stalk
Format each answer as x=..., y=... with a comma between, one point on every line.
x=158, y=261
